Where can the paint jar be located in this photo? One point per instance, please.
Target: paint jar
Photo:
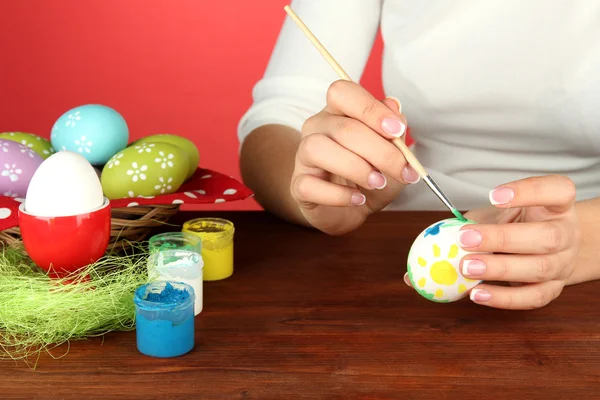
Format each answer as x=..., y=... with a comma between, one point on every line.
x=176, y=256
x=217, y=245
x=164, y=318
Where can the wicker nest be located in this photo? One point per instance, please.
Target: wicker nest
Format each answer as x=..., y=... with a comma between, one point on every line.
x=128, y=224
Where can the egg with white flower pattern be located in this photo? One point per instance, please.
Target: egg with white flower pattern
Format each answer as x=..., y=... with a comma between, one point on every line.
x=145, y=169
x=95, y=131
x=40, y=145
x=18, y=163
x=184, y=144
x=433, y=263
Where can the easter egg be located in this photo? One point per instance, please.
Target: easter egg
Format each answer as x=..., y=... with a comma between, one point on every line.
x=434, y=261
x=183, y=143
x=64, y=184
x=95, y=131
x=145, y=169
x=18, y=163
x=40, y=145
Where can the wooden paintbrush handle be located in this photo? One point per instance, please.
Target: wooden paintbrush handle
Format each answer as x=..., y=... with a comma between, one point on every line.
x=399, y=143
x=410, y=157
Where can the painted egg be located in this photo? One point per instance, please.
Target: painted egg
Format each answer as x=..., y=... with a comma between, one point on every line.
x=40, y=145
x=145, y=169
x=183, y=143
x=18, y=163
x=95, y=131
x=434, y=261
x=64, y=184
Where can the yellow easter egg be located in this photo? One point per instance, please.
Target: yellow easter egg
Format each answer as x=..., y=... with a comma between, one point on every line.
x=183, y=143
x=143, y=170
x=38, y=144
x=434, y=262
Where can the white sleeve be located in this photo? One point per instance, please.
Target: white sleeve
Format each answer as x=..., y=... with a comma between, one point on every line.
x=297, y=77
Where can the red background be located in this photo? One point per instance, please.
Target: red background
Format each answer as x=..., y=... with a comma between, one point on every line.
x=185, y=67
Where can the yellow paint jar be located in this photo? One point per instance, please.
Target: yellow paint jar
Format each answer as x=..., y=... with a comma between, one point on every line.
x=217, y=245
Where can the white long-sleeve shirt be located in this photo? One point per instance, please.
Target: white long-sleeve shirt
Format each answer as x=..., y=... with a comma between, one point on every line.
x=493, y=90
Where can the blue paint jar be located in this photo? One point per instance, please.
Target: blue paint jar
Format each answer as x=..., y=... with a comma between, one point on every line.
x=164, y=318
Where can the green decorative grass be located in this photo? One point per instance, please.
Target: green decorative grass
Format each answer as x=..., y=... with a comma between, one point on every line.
x=38, y=314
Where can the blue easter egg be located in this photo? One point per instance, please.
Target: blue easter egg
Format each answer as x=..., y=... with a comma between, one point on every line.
x=95, y=131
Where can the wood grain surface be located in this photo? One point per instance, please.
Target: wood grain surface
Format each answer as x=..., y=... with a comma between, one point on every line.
x=308, y=316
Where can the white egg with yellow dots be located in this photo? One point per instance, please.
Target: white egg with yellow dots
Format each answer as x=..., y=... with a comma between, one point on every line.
x=434, y=262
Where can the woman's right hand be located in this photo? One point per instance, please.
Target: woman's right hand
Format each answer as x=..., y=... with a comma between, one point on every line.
x=346, y=167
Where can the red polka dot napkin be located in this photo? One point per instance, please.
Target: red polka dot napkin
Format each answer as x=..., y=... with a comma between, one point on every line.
x=8, y=212
x=204, y=187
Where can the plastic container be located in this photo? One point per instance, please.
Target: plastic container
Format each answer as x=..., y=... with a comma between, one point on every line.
x=164, y=319
x=176, y=256
x=217, y=245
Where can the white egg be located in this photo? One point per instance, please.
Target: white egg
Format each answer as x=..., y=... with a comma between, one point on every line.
x=434, y=261
x=64, y=184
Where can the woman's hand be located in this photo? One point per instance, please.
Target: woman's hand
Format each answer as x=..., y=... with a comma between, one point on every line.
x=346, y=167
x=533, y=233
x=535, y=240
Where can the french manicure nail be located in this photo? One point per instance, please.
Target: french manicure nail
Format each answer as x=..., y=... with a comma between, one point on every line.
x=397, y=102
x=480, y=295
x=376, y=180
x=358, y=199
x=410, y=175
x=501, y=195
x=469, y=238
x=407, y=280
x=393, y=127
x=473, y=268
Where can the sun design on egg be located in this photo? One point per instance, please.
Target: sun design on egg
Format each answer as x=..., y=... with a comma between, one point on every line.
x=433, y=266
x=441, y=271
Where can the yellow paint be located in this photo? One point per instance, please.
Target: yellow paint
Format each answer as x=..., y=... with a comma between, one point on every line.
x=453, y=251
x=443, y=273
x=217, y=246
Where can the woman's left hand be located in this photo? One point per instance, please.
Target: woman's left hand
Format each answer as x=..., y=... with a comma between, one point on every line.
x=533, y=233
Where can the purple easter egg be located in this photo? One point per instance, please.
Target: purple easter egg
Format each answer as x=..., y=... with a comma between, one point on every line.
x=18, y=163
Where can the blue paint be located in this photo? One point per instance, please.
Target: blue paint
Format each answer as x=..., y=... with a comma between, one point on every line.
x=169, y=295
x=165, y=319
x=433, y=230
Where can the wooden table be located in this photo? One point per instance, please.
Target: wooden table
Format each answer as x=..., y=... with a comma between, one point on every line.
x=307, y=316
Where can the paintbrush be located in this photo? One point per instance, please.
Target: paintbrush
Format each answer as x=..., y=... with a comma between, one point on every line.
x=399, y=143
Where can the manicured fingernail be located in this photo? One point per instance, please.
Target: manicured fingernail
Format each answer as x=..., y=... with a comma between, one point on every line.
x=469, y=238
x=473, y=268
x=407, y=280
x=480, y=295
x=410, y=175
x=397, y=102
x=376, y=180
x=393, y=127
x=502, y=195
x=358, y=199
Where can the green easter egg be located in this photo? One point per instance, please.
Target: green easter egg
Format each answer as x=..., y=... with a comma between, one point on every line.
x=41, y=146
x=183, y=143
x=144, y=169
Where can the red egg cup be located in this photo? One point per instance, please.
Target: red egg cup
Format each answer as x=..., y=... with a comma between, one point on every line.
x=64, y=245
